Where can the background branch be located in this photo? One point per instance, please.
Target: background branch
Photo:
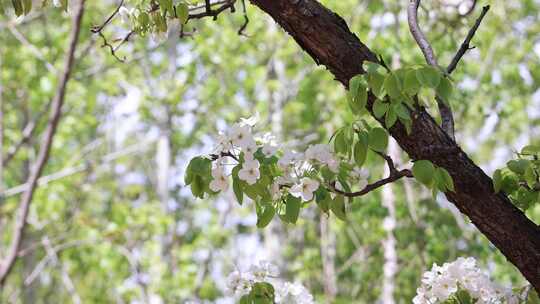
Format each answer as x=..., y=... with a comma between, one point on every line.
x=43, y=154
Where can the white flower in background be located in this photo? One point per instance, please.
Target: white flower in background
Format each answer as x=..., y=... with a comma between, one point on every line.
x=238, y=284
x=57, y=3
x=263, y=271
x=219, y=181
x=305, y=188
x=250, y=171
x=333, y=165
x=323, y=154
x=223, y=143
x=125, y=14
x=442, y=282
x=240, y=135
x=251, y=121
x=293, y=293
x=269, y=150
x=362, y=175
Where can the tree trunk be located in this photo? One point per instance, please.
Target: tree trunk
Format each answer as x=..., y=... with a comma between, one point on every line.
x=326, y=38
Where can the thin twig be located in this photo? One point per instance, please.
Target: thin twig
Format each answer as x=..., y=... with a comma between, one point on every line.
x=465, y=45
x=246, y=20
x=43, y=154
x=99, y=28
x=412, y=16
x=390, y=179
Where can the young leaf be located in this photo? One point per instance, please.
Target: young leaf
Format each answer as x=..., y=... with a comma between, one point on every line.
x=182, y=11
x=380, y=108
x=444, y=90
x=428, y=76
x=375, y=82
x=338, y=207
x=292, y=208
x=18, y=7
x=445, y=178
x=518, y=166
x=411, y=85
x=360, y=153
x=265, y=216
x=378, y=139
x=392, y=85
x=423, y=171
x=391, y=117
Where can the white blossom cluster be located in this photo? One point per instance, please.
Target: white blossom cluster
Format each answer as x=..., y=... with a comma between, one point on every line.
x=240, y=283
x=294, y=165
x=443, y=282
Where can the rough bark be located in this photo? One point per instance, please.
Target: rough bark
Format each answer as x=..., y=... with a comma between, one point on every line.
x=326, y=38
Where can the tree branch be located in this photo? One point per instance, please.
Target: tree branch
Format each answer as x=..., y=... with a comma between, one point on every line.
x=390, y=179
x=43, y=154
x=412, y=16
x=465, y=45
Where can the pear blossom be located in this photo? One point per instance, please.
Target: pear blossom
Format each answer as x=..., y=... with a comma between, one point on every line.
x=57, y=3
x=238, y=284
x=219, y=181
x=249, y=148
x=263, y=270
x=125, y=14
x=250, y=171
x=442, y=282
x=305, y=188
x=269, y=150
x=288, y=158
x=240, y=135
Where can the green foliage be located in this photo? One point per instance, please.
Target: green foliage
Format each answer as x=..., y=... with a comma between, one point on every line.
x=520, y=178
x=436, y=178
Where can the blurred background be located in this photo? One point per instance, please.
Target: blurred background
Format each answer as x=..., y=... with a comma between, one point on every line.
x=112, y=221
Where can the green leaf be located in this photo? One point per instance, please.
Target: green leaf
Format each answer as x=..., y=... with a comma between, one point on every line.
x=392, y=85
x=429, y=76
x=323, y=199
x=182, y=11
x=18, y=7
x=497, y=180
x=444, y=90
x=530, y=176
x=411, y=85
x=237, y=185
x=375, y=82
x=361, y=148
x=518, y=166
x=391, y=117
x=265, y=216
x=27, y=4
x=530, y=150
x=445, y=178
x=378, y=139
x=338, y=207
x=292, y=208
x=423, y=171
x=380, y=108
x=402, y=111
x=340, y=142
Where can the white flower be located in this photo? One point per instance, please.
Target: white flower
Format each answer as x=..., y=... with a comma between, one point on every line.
x=219, y=181
x=238, y=284
x=275, y=191
x=305, y=189
x=320, y=152
x=125, y=14
x=251, y=121
x=263, y=271
x=223, y=143
x=293, y=293
x=250, y=171
x=249, y=148
x=288, y=158
x=443, y=287
x=57, y=3
x=269, y=150
x=240, y=135
x=333, y=165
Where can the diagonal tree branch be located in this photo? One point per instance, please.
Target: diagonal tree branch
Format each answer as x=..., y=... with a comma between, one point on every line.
x=465, y=45
x=43, y=154
x=444, y=109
